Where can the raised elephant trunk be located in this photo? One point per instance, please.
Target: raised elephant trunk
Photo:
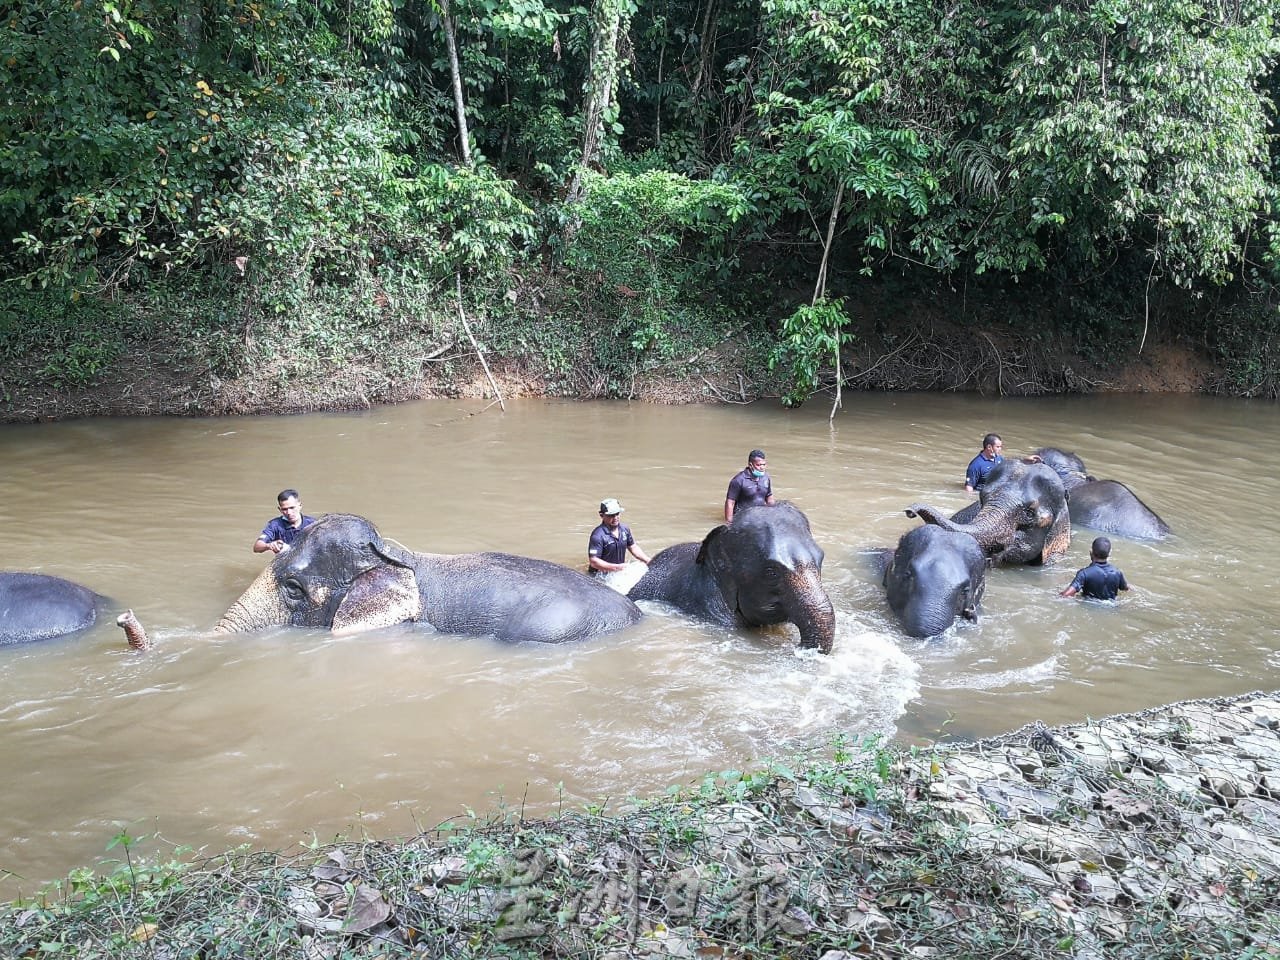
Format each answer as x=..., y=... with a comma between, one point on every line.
x=993, y=531
x=811, y=611
x=929, y=515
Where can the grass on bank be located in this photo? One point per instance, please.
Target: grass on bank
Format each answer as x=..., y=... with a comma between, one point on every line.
x=856, y=854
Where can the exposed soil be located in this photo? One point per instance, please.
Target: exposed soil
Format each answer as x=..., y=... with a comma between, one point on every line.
x=933, y=357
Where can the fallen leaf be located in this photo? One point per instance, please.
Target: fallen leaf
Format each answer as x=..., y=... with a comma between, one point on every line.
x=368, y=909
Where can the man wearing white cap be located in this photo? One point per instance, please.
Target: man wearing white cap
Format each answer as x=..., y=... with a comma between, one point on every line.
x=607, y=549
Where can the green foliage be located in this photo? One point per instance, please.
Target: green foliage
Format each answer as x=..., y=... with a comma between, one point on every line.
x=63, y=340
x=811, y=338
x=646, y=244
x=480, y=224
x=294, y=168
x=1135, y=121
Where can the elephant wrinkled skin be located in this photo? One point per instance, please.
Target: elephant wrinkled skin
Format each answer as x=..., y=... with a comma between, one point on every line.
x=35, y=606
x=764, y=568
x=1107, y=506
x=1021, y=515
x=933, y=577
x=342, y=575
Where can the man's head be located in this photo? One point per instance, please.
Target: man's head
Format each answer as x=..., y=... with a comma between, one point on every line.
x=610, y=511
x=757, y=461
x=1101, y=548
x=290, y=507
x=992, y=444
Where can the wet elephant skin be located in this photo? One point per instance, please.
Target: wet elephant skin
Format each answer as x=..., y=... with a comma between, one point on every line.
x=1021, y=515
x=1107, y=506
x=933, y=577
x=762, y=569
x=342, y=575
x=35, y=606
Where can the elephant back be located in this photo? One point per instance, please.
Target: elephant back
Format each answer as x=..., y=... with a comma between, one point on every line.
x=36, y=606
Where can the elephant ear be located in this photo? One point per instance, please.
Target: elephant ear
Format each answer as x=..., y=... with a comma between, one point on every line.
x=704, y=554
x=711, y=557
x=391, y=552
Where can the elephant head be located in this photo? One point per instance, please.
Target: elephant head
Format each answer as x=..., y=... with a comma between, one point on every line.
x=1021, y=516
x=769, y=570
x=1066, y=465
x=933, y=577
x=339, y=575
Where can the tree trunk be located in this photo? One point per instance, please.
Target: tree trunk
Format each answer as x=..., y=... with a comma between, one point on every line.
x=455, y=74
x=820, y=288
x=609, y=19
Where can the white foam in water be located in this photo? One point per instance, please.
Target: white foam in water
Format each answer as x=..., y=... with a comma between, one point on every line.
x=624, y=580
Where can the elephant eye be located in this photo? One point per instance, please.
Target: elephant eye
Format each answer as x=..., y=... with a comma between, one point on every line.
x=293, y=590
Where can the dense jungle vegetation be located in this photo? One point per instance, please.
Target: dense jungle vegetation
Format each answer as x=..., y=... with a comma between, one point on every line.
x=293, y=193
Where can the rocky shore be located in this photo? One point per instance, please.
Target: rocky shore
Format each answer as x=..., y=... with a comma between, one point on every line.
x=1145, y=835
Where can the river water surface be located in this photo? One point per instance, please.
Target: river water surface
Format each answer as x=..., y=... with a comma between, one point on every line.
x=275, y=738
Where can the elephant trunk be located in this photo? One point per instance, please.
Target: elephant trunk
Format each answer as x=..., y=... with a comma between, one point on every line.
x=929, y=515
x=258, y=607
x=812, y=612
x=133, y=631
x=986, y=527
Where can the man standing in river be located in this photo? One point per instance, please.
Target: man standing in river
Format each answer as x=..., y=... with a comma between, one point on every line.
x=983, y=463
x=1099, y=580
x=750, y=486
x=280, y=532
x=611, y=541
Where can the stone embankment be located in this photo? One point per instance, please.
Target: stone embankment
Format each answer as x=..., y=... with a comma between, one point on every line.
x=1147, y=835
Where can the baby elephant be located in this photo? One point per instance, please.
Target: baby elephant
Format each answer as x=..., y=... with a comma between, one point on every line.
x=763, y=568
x=933, y=577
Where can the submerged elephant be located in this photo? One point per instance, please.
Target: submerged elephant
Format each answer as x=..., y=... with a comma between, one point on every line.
x=35, y=606
x=1021, y=516
x=934, y=576
x=342, y=575
x=1107, y=506
x=764, y=568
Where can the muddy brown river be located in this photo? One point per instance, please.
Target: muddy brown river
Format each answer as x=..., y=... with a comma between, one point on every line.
x=276, y=738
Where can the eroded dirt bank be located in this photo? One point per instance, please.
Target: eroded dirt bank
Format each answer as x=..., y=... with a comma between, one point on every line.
x=938, y=358
x=1146, y=835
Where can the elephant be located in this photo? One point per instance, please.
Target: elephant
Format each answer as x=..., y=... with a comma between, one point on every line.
x=1107, y=506
x=342, y=575
x=1021, y=515
x=934, y=576
x=763, y=568
x=36, y=606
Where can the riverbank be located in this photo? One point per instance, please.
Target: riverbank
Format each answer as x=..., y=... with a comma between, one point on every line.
x=1146, y=835
x=150, y=379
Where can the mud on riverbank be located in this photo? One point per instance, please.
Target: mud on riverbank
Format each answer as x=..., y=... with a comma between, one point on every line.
x=1147, y=835
x=926, y=357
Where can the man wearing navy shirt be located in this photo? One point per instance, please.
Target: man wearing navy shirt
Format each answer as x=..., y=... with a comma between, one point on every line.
x=280, y=532
x=1099, y=580
x=750, y=486
x=607, y=549
x=984, y=462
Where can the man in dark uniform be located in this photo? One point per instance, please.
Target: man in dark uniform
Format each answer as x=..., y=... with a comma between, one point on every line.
x=984, y=462
x=607, y=549
x=1099, y=580
x=751, y=486
x=280, y=532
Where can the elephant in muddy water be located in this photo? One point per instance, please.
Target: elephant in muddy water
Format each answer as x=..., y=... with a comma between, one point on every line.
x=1107, y=506
x=933, y=577
x=36, y=606
x=764, y=568
x=342, y=575
x=1021, y=515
